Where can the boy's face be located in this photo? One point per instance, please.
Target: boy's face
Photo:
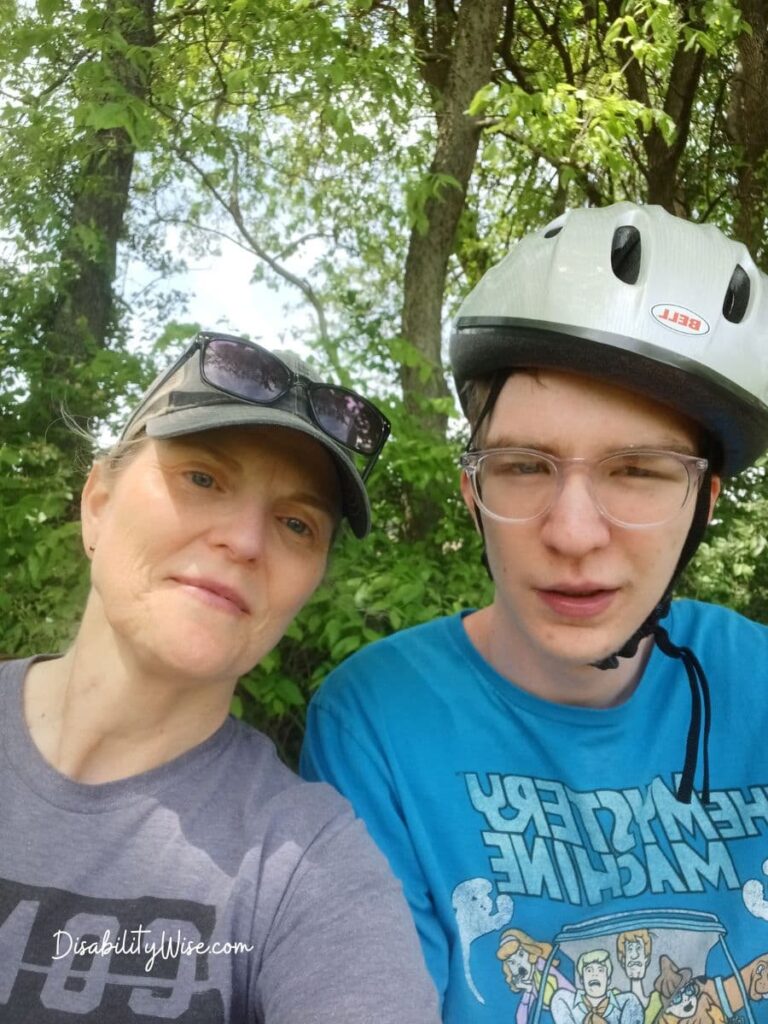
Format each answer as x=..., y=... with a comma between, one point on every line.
x=571, y=586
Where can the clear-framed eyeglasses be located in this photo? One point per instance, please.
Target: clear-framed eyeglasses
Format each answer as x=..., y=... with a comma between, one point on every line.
x=635, y=488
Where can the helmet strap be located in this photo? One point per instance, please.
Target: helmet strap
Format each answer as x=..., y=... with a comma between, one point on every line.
x=701, y=710
x=497, y=383
x=692, y=541
x=481, y=530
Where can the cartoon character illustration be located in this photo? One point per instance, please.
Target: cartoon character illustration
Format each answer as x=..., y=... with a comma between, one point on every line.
x=522, y=960
x=753, y=894
x=473, y=906
x=715, y=999
x=691, y=993
x=752, y=979
x=755, y=978
x=594, y=1002
x=633, y=951
x=678, y=996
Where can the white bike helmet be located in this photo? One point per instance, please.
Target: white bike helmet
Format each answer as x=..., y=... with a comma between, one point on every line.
x=635, y=296
x=640, y=298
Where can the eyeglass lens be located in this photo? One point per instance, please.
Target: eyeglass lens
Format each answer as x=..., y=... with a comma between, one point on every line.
x=256, y=375
x=636, y=488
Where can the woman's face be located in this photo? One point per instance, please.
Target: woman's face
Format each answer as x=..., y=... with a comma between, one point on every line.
x=205, y=547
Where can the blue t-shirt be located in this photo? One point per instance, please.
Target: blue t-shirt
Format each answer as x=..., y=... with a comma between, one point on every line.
x=530, y=834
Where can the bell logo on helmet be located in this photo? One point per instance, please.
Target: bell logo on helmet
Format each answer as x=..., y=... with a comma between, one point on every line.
x=679, y=319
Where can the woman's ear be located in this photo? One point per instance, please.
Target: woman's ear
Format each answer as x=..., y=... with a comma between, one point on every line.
x=94, y=499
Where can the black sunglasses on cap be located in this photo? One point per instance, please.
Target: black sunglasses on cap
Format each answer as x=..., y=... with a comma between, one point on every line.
x=251, y=373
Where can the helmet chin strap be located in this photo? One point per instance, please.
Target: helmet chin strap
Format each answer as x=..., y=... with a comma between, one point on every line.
x=697, y=678
x=692, y=542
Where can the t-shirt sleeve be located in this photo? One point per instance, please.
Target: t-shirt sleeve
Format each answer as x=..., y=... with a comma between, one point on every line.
x=342, y=749
x=343, y=948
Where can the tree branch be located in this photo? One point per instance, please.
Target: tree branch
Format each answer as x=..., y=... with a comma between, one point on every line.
x=232, y=207
x=554, y=35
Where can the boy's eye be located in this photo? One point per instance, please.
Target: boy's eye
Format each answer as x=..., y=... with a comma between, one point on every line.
x=201, y=479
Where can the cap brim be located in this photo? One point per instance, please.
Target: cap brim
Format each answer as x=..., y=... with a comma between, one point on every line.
x=179, y=422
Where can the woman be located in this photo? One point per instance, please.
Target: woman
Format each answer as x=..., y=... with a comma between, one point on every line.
x=157, y=862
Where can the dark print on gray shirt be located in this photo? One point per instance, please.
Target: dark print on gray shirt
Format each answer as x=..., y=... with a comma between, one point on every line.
x=65, y=955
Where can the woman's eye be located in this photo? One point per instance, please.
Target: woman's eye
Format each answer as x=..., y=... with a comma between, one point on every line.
x=201, y=479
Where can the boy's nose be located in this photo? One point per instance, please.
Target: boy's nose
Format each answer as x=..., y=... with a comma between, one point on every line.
x=574, y=524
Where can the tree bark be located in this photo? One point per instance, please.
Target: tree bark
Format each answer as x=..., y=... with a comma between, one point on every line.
x=464, y=70
x=748, y=127
x=81, y=314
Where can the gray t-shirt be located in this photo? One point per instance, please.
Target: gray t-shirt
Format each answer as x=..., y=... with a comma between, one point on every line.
x=216, y=888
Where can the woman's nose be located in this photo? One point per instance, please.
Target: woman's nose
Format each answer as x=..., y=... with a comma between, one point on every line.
x=242, y=530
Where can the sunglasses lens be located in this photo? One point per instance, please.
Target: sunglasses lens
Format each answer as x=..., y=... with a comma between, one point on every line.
x=252, y=373
x=249, y=372
x=348, y=418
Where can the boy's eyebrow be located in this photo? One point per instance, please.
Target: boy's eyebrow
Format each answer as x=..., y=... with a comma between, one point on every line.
x=665, y=445
x=513, y=442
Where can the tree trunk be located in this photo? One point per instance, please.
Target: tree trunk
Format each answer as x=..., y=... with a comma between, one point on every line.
x=465, y=70
x=81, y=315
x=748, y=127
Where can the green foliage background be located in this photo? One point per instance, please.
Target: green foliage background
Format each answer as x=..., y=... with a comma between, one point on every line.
x=310, y=133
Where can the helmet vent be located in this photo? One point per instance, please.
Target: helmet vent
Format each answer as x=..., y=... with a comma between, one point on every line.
x=625, y=253
x=553, y=231
x=737, y=296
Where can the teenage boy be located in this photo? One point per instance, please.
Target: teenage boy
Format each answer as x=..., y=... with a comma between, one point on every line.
x=582, y=748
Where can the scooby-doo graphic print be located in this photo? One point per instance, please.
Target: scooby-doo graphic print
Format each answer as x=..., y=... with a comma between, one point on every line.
x=623, y=972
x=662, y=965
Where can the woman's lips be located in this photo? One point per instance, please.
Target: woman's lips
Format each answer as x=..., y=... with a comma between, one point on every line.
x=215, y=594
x=578, y=604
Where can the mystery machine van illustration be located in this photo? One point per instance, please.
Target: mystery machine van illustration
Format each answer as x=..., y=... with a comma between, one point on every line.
x=644, y=967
